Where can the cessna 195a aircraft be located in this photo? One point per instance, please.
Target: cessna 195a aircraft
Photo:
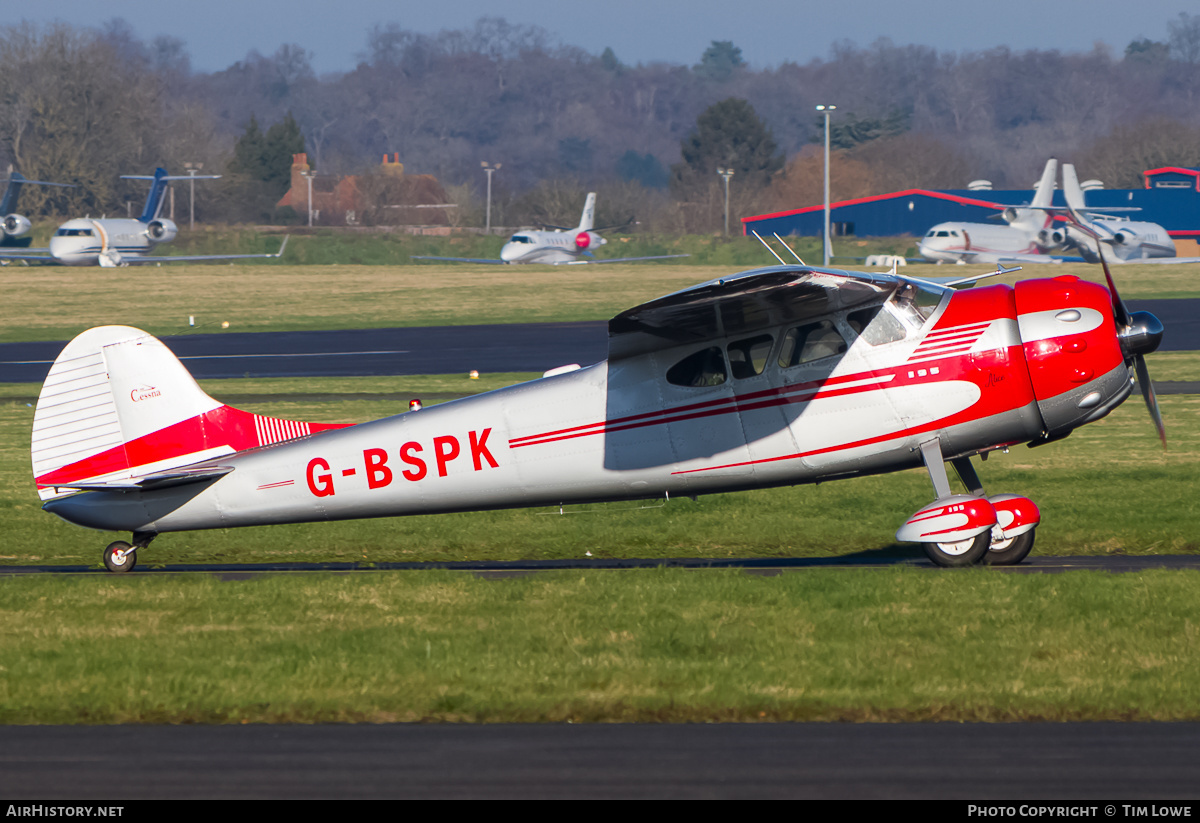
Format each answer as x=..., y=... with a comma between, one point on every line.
x=14, y=227
x=563, y=245
x=779, y=376
x=111, y=242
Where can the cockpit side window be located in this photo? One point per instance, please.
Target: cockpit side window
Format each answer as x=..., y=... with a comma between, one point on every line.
x=812, y=341
x=703, y=368
x=520, y=238
x=748, y=358
x=876, y=326
x=916, y=303
x=73, y=233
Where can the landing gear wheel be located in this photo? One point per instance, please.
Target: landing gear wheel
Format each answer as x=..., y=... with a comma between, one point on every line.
x=1011, y=551
x=120, y=557
x=961, y=553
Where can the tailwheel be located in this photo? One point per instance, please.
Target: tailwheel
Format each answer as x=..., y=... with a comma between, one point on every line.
x=1008, y=551
x=960, y=553
x=120, y=557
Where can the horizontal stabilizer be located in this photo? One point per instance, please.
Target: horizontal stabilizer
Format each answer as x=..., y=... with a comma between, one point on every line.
x=157, y=480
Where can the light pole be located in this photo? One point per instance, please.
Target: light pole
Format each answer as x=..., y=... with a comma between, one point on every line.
x=192, y=169
x=726, y=174
x=309, y=175
x=487, y=229
x=826, y=110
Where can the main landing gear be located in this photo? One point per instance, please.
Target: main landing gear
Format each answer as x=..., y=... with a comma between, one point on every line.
x=121, y=557
x=969, y=529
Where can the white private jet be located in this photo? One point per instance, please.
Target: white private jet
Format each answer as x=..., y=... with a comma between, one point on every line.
x=1028, y=237
x=1128, y=241
x=14, y=227
x=563, y=245
x=111, y=242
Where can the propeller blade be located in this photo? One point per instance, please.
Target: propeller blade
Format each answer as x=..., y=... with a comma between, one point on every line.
x=1120, y=313
x=1143, y=379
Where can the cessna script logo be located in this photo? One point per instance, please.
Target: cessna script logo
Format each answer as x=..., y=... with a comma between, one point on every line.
x=144, y=393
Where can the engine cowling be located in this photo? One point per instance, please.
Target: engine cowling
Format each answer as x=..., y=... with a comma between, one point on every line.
x=1124, y=238
x=162, y=230
x=16, y=224
x=1052, y=238
x=1009, y=215
x=583, y=240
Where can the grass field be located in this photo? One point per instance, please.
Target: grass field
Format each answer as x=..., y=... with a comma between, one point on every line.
x=666, y=645
x=56, y=303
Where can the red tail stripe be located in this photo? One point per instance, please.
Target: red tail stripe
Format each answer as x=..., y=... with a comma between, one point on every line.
x=224, y=426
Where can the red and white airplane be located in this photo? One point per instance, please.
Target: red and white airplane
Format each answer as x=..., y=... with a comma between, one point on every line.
x=779, y=376
x=572, y=246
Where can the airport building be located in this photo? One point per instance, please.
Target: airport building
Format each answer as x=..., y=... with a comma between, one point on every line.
x=1170, y=197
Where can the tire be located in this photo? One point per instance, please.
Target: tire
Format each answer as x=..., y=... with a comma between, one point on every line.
x=963, y=553
x=120, y=565
x=1009, y=552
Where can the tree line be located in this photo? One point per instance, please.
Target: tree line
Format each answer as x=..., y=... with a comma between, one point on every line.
x=86, y=105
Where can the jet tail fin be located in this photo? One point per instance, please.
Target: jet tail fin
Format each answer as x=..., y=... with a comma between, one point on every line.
x=9, y=203
x=119, y=411
x=1034, y=216
x=588, y=219
x=1071, y=188
x=1043, y=196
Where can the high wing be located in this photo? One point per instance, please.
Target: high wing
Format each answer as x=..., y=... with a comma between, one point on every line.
x=744, y=302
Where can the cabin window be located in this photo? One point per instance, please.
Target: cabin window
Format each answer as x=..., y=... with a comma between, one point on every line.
x=876, y=326
x=702, y=368
x=812, y=341
x=748, y=358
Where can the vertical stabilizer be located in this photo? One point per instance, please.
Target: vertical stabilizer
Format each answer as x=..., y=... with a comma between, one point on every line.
x=1032, y=217
x=154, y=200
x=118, y=405
x=9, y=203
x=1043, y=196
x=1071, y=190
x=588, y=220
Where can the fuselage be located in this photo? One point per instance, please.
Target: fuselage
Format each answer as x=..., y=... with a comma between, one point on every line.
x=83, y=241
x=951, y=242
x=549, y=246
x=850, y=392
x=1128, y=239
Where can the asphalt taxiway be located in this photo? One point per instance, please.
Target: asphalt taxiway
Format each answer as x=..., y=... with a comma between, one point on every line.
x=1044, y=764
x=517, y=347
